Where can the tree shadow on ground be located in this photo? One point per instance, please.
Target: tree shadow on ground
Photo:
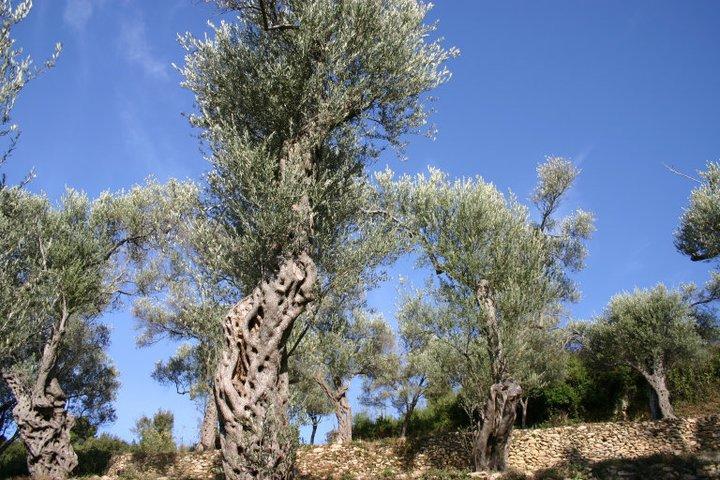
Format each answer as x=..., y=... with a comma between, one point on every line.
x=659, y=466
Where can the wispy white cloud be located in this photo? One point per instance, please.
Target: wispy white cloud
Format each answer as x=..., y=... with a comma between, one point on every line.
x=78, y=13
x=135, y=47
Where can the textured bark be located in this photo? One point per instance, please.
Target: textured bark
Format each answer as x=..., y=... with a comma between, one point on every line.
x=343, y=414
x=491, y=438
x=660, y=398
x=660, y=406
x=44, y=426
x=343, y=411
x=208, y=430
x=251, y=383
x=41, y=416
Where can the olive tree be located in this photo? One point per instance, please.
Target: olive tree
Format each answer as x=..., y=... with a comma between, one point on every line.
x=413, y=369
x=294, y=98
x=62, y=264
x=499, y=274
x=347, y=345
x=698, y=237
x=651, y=331
x=87, y=375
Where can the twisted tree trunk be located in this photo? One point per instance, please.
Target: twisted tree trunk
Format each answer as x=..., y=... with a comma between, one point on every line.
x=44, y=425
x=495, y=422
x=41, y=416
x=523, y=405
x=251, y=384
x=660, y=395
x=315, y=421
x=343, y=411
x=491, y=438
x=343, y=414
x=208, y=430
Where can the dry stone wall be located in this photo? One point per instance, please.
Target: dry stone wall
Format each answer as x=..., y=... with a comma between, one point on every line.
x=531, y=451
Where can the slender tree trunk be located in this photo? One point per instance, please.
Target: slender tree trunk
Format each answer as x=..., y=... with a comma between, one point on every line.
x=251, y=384
x=208, y=430
x=343, y=411
x=405, y=423
x=41, y=416
x=491, y=438
x=410, y=409
x=622, y=407
x=523, y=405
x=314, y=431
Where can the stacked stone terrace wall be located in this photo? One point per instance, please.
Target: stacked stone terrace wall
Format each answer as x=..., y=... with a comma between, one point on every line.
x=531, y=451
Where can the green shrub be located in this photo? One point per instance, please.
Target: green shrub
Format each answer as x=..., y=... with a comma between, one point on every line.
x=13, y=461
x=95, y=453
x=155, y=438
x=441, y=414
x=365, y=428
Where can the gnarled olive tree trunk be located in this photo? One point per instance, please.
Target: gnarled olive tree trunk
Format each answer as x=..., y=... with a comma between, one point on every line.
x=251, y=384
x=660, y=397
x=208, y=429
x=491, y=438
x=496, y=419
x=343, y=411
x=42, y=418
x=44, y=425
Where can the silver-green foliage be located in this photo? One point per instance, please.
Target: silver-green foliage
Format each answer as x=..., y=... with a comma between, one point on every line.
x=16, y=70
x=67, y=259
x=293, y=115
x=473, y=235
x=647, y=330
x=699, y=233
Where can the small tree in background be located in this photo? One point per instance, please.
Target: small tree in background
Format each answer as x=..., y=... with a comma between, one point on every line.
x=500, y=275
x=651, y=331
x=413, y=369
x=155, y=436
x=347, y=345
x=309, y=403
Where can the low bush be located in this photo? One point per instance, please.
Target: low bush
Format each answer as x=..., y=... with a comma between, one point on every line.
x=155, y=439
x=13, y=461
x=95, y=453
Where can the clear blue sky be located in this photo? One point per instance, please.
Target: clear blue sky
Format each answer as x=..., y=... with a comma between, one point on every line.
x=620, y=86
